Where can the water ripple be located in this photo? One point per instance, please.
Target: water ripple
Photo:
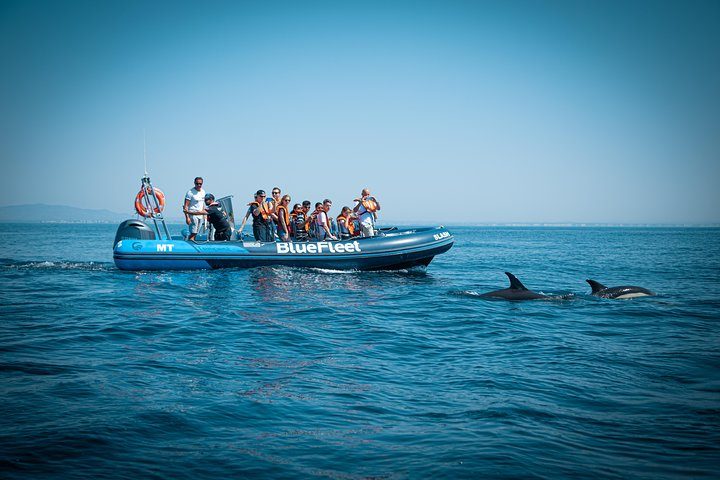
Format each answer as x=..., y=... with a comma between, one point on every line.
x=297, y=373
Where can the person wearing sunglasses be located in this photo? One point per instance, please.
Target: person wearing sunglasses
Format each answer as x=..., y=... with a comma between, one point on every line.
x=283, y=216
x=275, y=200
x=263, y=213
x=321, y=222
x=308, y=218
x=297, y=221
x=193, y=208
x=276, y=196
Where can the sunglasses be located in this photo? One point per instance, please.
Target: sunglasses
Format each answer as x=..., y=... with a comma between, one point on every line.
x=276, y=193
x=198, y=183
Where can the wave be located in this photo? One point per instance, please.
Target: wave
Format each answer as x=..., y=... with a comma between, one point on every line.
x=479, y=295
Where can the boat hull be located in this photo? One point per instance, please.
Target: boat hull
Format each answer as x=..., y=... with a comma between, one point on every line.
x=398, y=249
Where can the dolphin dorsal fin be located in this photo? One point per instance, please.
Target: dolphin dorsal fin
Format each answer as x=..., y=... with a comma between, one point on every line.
x=514, y=282
x=596, y=286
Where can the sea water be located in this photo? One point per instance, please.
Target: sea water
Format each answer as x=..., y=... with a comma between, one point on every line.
x=300, y=373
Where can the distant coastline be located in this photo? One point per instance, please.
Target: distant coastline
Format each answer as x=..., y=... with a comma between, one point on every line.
x=585, y=225
x=63, y=214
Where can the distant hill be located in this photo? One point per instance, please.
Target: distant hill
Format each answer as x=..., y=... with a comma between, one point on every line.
x=39, y=213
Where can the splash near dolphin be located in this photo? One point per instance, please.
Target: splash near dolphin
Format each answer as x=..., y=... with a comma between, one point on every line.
x=621, y=293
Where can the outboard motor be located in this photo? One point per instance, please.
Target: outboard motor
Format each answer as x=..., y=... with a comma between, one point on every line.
x=134, y=230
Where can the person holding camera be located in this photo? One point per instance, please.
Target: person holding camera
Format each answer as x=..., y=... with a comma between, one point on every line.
x=366, y=208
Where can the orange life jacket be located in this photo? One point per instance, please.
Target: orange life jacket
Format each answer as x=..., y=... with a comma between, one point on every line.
x=306, y=218
x=311, y=219
x=349, y=224
x=370, y=204
x=282, y=212
x=298, y=226
x=265, y=208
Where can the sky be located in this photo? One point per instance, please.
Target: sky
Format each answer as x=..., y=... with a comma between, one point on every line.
x=449, y=111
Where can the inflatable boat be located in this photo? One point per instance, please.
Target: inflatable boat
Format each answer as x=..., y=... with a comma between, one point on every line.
x=136, y=248
x=148, y=245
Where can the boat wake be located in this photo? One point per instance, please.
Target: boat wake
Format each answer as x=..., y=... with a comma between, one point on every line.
x=9, y=264
x=416, y=270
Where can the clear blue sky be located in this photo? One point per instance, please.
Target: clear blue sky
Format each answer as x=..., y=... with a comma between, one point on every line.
x=449, y=111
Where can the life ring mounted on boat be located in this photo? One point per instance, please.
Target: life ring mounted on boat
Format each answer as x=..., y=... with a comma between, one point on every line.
x=143, y=199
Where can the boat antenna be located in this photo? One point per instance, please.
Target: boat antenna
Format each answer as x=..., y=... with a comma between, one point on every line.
x=145, y=152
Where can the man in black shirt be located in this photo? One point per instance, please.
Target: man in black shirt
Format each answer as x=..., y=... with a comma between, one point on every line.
x=218, y=218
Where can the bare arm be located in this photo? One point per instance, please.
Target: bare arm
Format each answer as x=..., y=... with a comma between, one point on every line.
x=247, y=215
x=286, y=235
x=186, y=204
x=326, y=227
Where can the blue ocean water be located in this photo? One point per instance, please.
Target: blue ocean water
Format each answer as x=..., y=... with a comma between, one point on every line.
x=294, y=373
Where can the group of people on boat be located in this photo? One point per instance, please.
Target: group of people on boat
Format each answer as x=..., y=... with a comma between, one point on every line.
x=273, y=219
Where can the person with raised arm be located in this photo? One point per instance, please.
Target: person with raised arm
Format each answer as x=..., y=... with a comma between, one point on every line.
x=263, y=213
x=366, y=208
x=346, y=223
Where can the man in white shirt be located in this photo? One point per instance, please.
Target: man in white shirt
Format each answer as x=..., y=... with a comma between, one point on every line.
x=193, y=207
x=322, y=221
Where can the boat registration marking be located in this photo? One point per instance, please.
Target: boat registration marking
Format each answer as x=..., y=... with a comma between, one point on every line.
x=441, y=235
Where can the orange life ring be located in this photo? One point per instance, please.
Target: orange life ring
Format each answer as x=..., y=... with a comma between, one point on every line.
x=140, y=206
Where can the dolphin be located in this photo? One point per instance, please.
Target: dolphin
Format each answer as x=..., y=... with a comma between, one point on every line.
x=517, y=291
x=629, y=291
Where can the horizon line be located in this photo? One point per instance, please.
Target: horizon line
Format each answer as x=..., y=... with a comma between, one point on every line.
x=413, y=222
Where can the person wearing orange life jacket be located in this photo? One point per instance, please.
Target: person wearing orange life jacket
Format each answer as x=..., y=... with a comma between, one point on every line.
x=346, y=223
x=310, y=217
x=276, y=199
x=302, y=223
x=263, y=213
x=366, y=209
x=321, y=224
x=283, y=215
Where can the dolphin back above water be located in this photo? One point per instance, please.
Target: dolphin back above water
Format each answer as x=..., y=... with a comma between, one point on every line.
x=516, y=291
x=623, y=292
